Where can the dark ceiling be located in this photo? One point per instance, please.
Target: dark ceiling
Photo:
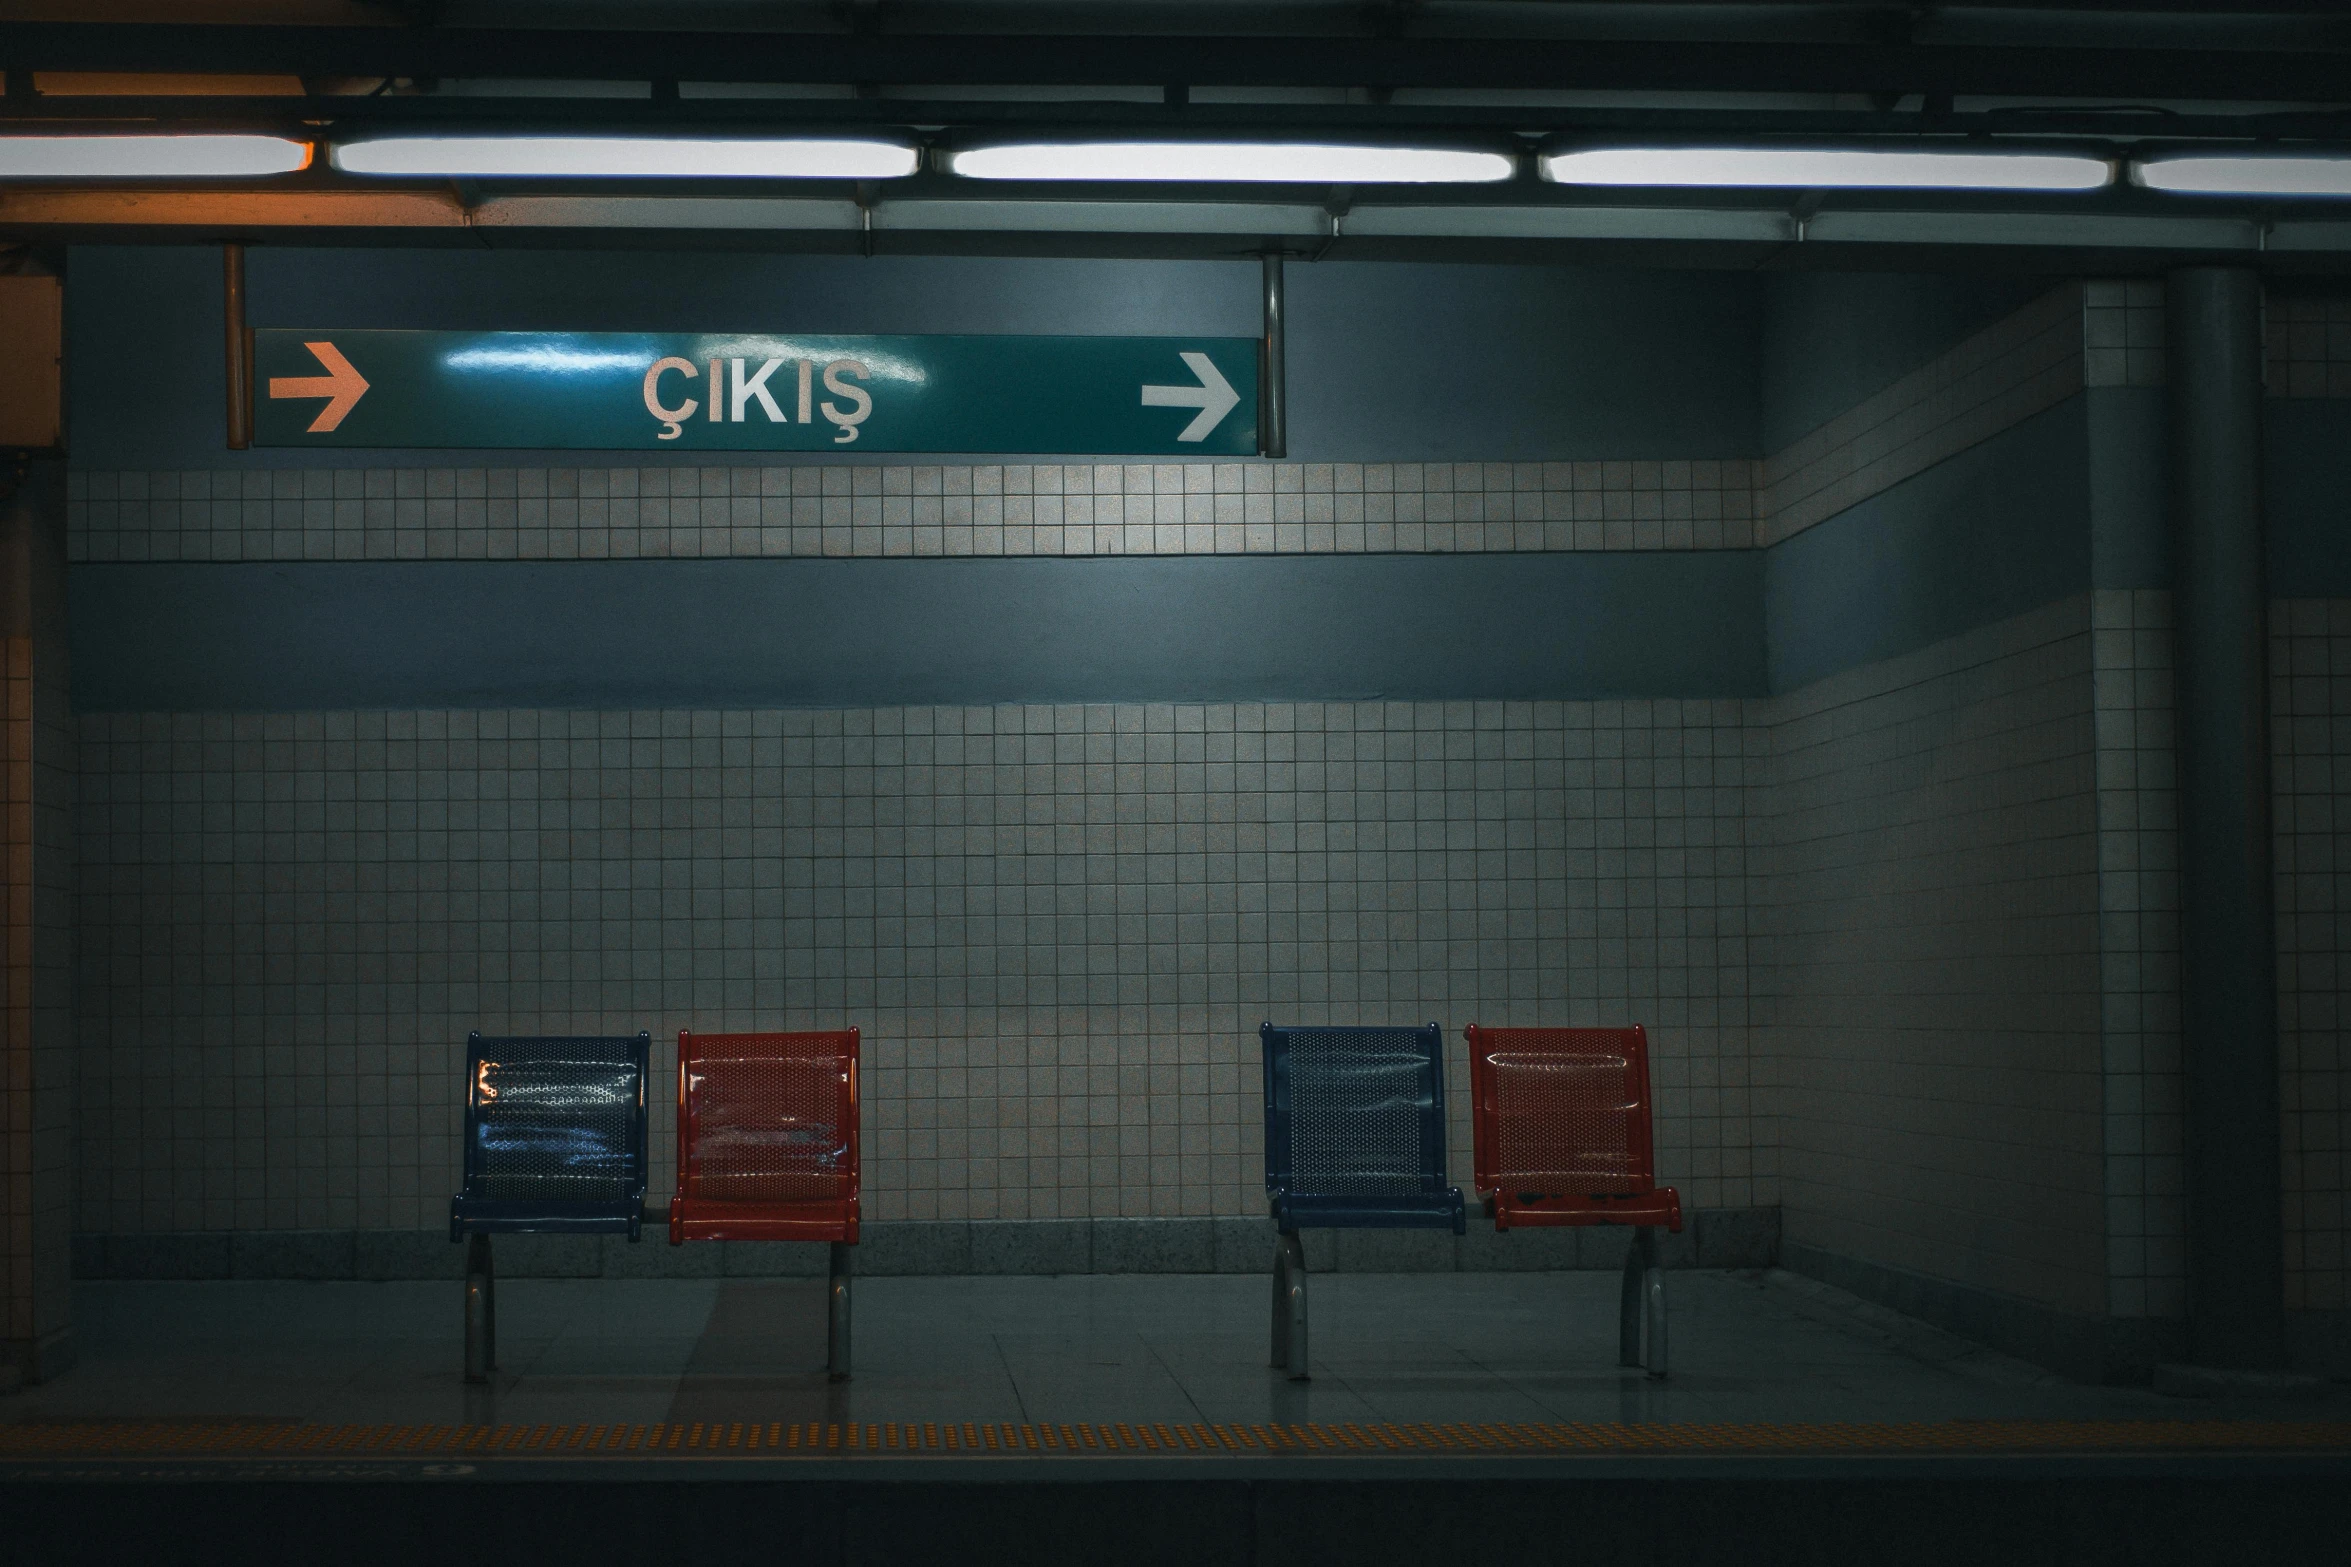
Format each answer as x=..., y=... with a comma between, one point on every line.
x=2121, y=77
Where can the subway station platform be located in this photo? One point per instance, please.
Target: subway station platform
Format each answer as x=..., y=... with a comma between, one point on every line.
x=1493, y=1400
x=1533, y=657
x=1760, y=1349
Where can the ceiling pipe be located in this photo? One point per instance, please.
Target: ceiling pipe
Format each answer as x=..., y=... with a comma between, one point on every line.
x=2249, y=61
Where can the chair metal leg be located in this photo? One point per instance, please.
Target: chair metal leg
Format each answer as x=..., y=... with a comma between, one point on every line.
x=1653, y=1322
x=1640, y=1323
x=1628, y=1304
x=1281, y=1306
x=481, y=1310
x=836, y=1328
x=1289, y=1306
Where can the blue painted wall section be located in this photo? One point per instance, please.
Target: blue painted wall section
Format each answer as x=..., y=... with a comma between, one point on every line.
x=1388, y=362
x=2306, y=497
x=2306, y=492
x=2130, y=523
x=1995, y=531
x=1831, y=339
x=2071, y=499
x=1401, y=363
x=854, y=633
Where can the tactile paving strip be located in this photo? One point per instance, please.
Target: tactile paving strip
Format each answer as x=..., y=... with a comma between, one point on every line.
x=948, y=1439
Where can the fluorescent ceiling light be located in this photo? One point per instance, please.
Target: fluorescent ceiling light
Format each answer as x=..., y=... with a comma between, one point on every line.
x=2209, y=175
x=148, y=157
x=1828, y=168
x=628, y=157
x=1241, y=161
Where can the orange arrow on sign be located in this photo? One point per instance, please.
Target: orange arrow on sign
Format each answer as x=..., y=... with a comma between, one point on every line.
x=342, y=386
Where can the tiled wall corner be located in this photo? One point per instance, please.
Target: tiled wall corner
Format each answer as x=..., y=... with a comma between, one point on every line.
x=2003, y=375
x=1926, y=961
x=2089, y=334
x=2309, y=345
x=992, y=509
x=36, y=794
x=2306, y=339
x=1768, y=1072
x=2122, y=332
x=2310, y=745
x=18, y=1174
x=1059, y=927
x=2138, y=915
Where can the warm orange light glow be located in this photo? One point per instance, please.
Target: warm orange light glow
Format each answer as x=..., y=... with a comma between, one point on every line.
x=28, y=205
x=161, y=84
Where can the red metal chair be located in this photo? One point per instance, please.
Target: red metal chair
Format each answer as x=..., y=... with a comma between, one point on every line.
x=767, y=1150
x=1561, y=1121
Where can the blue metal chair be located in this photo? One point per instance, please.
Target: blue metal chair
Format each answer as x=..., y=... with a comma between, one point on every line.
x=1354, y=1139
x=554, y=1145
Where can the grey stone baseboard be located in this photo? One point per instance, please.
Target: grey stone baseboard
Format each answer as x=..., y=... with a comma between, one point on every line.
x=1713, y=1238
x=2088, y=1349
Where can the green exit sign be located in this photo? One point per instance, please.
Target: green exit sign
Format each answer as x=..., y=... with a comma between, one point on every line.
x=756, y=392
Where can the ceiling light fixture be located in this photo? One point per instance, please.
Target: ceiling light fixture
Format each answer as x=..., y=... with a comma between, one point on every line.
x=627, y=157
x=2228, y=174
x=1829, y=168
x=1241, y=162
x=149, y=157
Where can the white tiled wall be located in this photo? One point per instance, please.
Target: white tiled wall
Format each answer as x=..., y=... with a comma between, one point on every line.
x=2307, y=339
x=1058, y=926
x=1964, y=1019
x=2310, y=742
x=2139, y=958
x=2309, y=346
x=36, y=1060
x=1926, y=961
x=2122, y=332
x=956, y=509
x=20, y=1178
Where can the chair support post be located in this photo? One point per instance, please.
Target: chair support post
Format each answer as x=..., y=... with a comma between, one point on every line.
x=481, y=1310
x=1289, y=1305
x=836, y=1324
x=1640, y=1327
x=1280, y=1360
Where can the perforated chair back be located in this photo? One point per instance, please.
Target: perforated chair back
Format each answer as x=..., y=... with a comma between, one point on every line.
x=767, y=1136
x=1355, y=1126
x=554, y=1133
x=1561, y=1119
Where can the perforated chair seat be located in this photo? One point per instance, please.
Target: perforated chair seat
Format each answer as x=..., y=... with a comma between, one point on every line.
x=1355, y=1129
x=1561, y=1123
x=767, y=1138
x=554, y=1136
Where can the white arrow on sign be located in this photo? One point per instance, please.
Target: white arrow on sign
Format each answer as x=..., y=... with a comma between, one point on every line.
x=342, y=386
x=1214, y=397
